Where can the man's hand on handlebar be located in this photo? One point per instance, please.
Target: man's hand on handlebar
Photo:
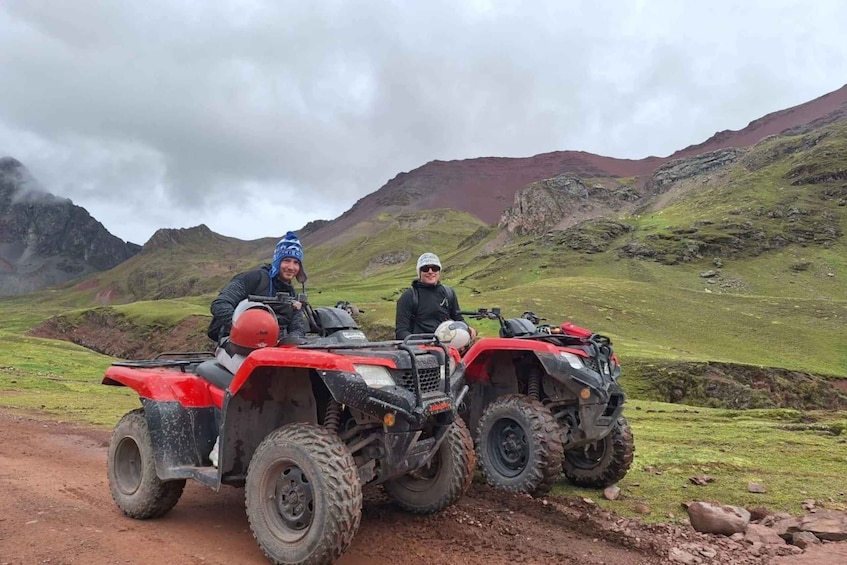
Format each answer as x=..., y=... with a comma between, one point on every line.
x=482, y=313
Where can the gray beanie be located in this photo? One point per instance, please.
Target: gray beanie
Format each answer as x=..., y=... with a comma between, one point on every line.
x=428, y=259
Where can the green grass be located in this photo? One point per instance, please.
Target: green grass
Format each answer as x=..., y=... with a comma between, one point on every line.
x=675, y=443
x=383, y=251
x=60, y=379
x=673, y=323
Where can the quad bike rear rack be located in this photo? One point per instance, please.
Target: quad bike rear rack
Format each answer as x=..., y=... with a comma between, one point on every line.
x=178, y=359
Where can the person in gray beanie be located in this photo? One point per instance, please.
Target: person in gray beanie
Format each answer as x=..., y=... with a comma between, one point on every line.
x=427, y=303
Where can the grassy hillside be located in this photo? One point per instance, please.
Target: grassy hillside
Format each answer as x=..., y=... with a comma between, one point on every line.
x=173, y=264
x=745, y=264
x=742, y=303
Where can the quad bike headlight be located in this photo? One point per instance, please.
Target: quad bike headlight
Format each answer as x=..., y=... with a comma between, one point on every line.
x=573, y=360
x=375, y=376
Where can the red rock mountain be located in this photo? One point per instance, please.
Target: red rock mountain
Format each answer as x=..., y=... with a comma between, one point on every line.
x=486, y=186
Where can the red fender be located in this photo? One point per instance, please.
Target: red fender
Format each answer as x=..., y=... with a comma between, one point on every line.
x=301, y=359
x=169, y=385
x=166, y=385
x=477, y=356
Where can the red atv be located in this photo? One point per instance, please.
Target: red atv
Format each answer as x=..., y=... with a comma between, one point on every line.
x=302, y=428
x=543, y=400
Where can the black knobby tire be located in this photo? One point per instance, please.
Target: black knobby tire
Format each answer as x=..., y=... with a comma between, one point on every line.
x=303, y=496
x=519, y=444
x=135, y=486
x=603, y=463
x=443, y=480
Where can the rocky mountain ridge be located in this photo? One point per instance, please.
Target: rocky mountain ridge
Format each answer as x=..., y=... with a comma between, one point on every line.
x=487, y=186
x=564, y=201
x=46, y=240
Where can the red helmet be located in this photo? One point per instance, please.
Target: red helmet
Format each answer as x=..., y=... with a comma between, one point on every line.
x=254, y=328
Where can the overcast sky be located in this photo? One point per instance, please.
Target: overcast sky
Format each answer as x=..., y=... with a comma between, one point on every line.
x=255, y=117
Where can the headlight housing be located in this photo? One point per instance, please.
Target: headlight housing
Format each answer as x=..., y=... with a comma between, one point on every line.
x=573, y=360
x=375, y=376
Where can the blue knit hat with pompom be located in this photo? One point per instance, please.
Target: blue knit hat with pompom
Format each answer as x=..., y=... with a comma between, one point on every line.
x=288, y=246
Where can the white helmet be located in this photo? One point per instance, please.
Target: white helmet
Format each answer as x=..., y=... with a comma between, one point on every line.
x=453, y=333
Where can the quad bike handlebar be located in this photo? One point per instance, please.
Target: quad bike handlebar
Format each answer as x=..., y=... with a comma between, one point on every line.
x=488, y=314
x=299, y=302
x=279, y=299
x=495, y=313
x=541, y=331
x=483, y=314
x=532, y=317
x=349, y=307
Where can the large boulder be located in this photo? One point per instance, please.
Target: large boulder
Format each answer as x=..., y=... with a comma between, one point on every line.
x=712, y=518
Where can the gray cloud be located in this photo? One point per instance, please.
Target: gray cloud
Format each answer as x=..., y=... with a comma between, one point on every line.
x=256, y=117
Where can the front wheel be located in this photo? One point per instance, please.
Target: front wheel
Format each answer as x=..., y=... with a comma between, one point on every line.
x=441, y=482
x=135, y=486
x=603, y=462
x=303, y=496
x=519, y=444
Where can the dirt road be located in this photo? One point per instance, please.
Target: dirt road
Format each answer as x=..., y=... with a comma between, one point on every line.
x=55, y=508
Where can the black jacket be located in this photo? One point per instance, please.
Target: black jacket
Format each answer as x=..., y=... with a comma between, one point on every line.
x=435, y=304
x=291, y=322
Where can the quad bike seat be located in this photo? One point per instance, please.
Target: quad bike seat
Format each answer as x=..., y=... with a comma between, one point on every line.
x=213, y=372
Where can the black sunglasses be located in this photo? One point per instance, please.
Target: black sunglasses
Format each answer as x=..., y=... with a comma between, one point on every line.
x=428, y=268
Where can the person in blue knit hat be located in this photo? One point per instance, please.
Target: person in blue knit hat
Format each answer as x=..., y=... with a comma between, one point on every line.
x=269, y=279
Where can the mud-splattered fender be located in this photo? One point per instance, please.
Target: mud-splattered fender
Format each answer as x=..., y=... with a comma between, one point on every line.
x=165, y=385
x=301, y=359
x=477, y=356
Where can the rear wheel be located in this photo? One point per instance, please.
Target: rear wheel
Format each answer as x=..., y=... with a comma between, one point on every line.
x=519, y=444
x=303, y=496
x=135, y=486
x=603, y=462
x=441, y=482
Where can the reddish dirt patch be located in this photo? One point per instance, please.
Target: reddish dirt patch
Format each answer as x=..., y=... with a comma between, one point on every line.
x=106, y=296
x=85, y=285
x=105, y=332
x=56, y=508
